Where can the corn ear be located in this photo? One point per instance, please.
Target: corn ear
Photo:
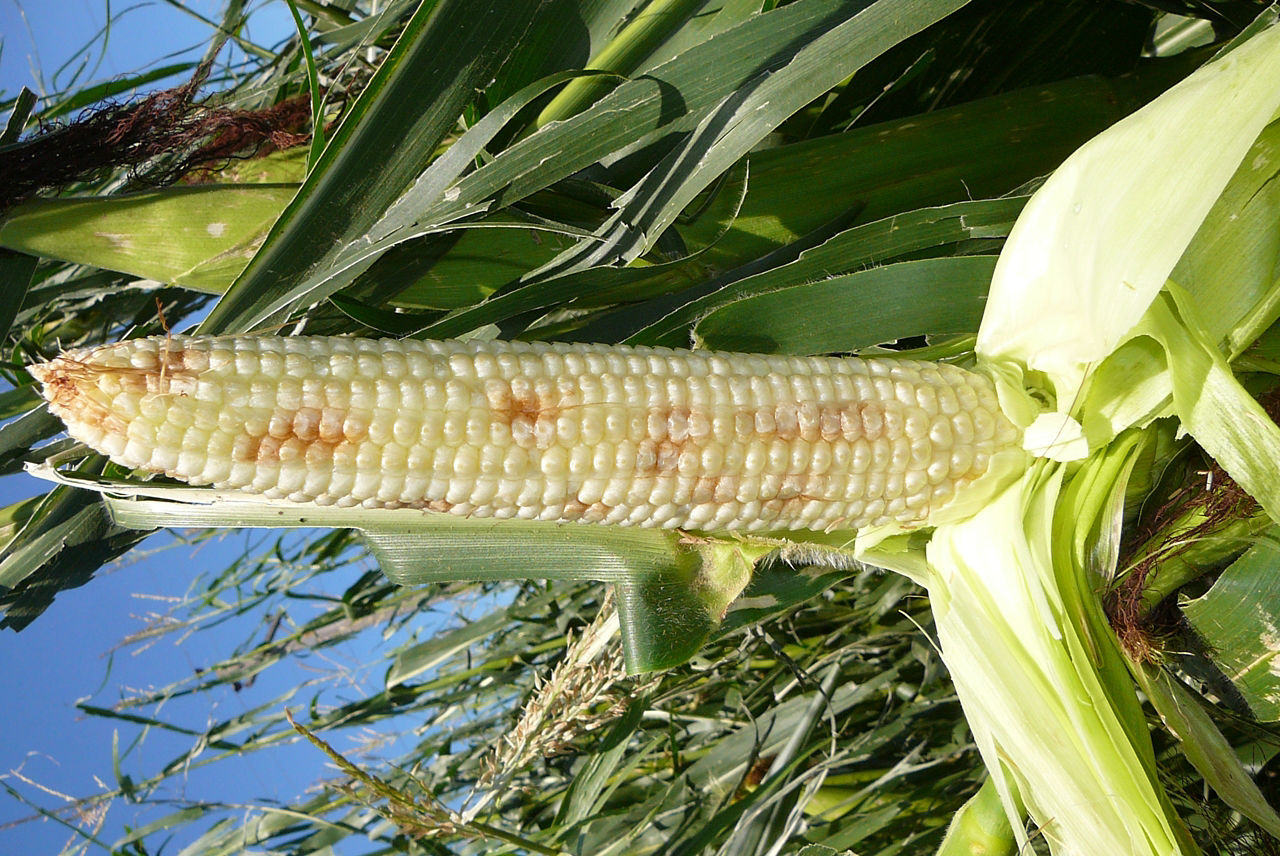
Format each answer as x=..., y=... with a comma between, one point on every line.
x=624, y=435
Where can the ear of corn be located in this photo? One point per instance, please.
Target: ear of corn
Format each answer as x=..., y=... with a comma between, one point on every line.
x=623, y=435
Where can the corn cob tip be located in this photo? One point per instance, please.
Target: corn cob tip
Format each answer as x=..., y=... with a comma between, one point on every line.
x=69, y=384
x=59, y=381
x=57, y=378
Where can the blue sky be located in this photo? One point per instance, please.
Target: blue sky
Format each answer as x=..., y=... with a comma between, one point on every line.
x=50, y=45
x=73, y=653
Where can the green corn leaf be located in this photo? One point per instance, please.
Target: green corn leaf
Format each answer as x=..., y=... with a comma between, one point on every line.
x=66, y=538
x=1207, y=749
x=447, y=51
x=18, y=116
x=854, y=311
x=93, y=94
x=673, y=589
x=881, y=170
x=1236, y=617
x=16, y=271
x=731, y=127
x=912, y=232
x=650, y=27
x=640, y=112
x=419, y=659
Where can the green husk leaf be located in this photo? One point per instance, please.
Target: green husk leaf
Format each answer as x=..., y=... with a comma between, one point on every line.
x=1231, y=270
x=1212, y=405
x=199, y=237
x=1029, y=668
x=980, y=827
x=1079, y=284
x=1087, y=256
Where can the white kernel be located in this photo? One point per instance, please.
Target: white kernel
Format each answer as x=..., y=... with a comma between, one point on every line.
x=940, y=433
x=292, y=477
x=460, y=490
x=461, y=366
x=921, y=453
x=478, y=427
x=592, y=490
x=466, y=462
x=712, y=459
x=984, y=426
x=453, y=428
x=544, y=433
x=799, y=457
x=761, y=395
x=297, y=366
x=615, y=493
x=664, y=490
x=678, y=425
x=927, y=398
x=863, y=454
x=593, y=425
x=164, y=458
x=894, y=421
x=701, y=515
x=602, y=459
x=554, y=461
x=265, y=477
x=916, y=423
x=915, y=482
x=380, y=426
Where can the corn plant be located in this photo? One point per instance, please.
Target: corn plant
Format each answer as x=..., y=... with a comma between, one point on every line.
x=1037, y=376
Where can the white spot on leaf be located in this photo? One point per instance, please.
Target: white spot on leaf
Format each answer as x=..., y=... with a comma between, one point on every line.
x=117, y=242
